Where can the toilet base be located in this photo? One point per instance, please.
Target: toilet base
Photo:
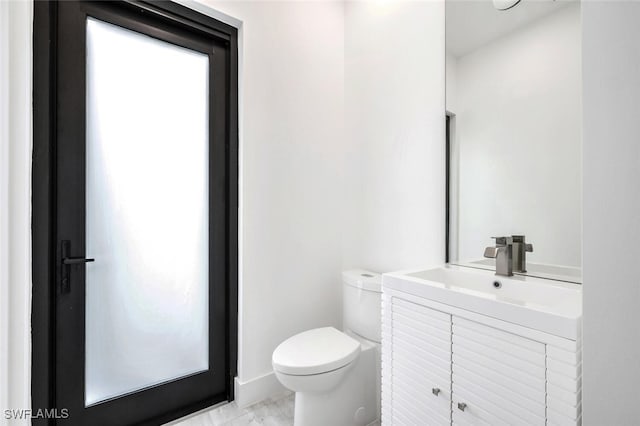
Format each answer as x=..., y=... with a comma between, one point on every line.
x=354, y=402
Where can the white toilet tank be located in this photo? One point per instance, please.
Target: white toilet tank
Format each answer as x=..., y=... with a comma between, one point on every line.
x=361, y=303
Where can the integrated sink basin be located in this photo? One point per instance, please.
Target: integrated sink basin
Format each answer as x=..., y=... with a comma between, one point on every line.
x=550, y=306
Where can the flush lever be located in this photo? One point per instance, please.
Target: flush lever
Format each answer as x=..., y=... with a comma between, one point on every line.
x=67, y=262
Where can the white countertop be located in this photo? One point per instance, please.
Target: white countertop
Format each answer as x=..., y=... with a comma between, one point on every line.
x=553, y=307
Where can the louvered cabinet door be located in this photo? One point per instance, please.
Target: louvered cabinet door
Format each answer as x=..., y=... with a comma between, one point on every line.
x=416, y=364
x=498, y=378
x=564, y=383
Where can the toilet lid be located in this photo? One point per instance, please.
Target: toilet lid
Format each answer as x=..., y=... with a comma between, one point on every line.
x=315, y=351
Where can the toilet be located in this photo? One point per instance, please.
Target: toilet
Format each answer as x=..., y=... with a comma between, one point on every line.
x=336, y=374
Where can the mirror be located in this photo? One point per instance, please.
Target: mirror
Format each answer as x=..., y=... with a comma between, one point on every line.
x=514, y=120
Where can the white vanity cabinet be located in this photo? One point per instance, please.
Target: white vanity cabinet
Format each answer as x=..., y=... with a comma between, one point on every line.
x=419, y=356
x=442, y=365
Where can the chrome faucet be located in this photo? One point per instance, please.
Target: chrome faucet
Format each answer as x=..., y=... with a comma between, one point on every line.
x=503, y=254
x=510, y=254
x=520, y=249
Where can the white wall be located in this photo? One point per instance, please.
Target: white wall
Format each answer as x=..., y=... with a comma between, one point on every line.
x=394, y=94
x=451, y=86
x=15, y=206
x=518, y=135
x=611, y=158
x=292, y=155
x=4, y=204
x=318, y=198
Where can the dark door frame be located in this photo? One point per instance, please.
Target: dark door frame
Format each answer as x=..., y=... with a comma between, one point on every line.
x=447, y=190
x=44, y=193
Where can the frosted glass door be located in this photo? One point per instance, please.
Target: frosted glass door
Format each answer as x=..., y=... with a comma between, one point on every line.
x=147, y=302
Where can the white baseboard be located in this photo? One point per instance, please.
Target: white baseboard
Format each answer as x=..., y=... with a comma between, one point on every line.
x=257, y=389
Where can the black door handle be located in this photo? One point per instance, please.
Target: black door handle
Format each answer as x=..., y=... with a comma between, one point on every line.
x=67, y=261
x=76, y=260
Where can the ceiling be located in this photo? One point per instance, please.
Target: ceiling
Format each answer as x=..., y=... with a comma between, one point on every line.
x=474, y=23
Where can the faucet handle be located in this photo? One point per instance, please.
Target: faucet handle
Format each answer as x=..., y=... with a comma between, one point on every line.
x=491, y=252
x=521, y=239
x=503, y=241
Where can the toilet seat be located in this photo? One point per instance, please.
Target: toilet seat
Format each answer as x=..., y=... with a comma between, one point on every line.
x=315, y=351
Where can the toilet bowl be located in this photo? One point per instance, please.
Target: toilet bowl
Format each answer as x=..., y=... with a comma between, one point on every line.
x=336, y=374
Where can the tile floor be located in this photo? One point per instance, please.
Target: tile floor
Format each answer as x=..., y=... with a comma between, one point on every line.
x=276, y=411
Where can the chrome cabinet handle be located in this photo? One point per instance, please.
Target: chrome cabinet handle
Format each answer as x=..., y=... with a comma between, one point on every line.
x=461, y=406
x=435, y=391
